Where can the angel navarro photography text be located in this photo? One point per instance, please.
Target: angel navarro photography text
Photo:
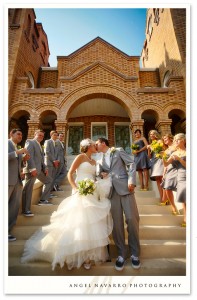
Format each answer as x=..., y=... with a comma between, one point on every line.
x=125, y=285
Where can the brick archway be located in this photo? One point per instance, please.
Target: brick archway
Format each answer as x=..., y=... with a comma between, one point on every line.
x=79, y=96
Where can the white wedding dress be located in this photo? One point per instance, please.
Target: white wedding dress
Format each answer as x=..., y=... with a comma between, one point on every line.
x=78, y=230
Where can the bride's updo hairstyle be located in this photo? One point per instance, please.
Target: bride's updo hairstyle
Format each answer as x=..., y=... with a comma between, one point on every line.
x=84, y=145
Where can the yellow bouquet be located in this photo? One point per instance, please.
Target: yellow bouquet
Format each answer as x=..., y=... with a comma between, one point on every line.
x=134, y=148
x=158, y=148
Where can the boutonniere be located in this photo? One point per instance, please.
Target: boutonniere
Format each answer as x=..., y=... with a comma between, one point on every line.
x=18, y=147
x=112, y=150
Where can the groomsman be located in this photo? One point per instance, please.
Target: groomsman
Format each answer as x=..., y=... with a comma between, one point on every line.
x=52, y=155
x=35, y=169
x=15, y=158
x=62, y=169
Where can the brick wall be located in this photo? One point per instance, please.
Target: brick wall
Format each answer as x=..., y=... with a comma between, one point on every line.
x=96, y=70
x=166, y=42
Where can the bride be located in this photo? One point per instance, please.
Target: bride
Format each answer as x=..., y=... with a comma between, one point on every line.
x=79, y=230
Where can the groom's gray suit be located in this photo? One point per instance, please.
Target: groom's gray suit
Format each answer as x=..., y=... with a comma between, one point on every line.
x=122, y=200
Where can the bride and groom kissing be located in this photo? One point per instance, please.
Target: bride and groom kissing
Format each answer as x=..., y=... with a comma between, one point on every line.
x=79, y=230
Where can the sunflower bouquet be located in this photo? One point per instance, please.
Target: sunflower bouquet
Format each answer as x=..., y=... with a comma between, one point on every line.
x=86, y=187
x=134, y=148
x=158, y=148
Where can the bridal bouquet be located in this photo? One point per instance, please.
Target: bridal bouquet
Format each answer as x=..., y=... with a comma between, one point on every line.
x=134, y=147
x=86, y=187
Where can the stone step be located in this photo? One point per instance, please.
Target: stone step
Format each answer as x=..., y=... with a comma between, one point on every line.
x=143, y=209
x=149, y=248
x=145, y=232
x=145, y=219
x=149, y=267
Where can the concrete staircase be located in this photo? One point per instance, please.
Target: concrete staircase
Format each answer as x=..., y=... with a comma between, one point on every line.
x=163, y=241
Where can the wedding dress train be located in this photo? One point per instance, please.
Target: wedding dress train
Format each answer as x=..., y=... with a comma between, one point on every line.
x=78, y=231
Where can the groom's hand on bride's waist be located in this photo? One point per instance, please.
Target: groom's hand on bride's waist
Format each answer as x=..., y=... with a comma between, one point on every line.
x=131, y=187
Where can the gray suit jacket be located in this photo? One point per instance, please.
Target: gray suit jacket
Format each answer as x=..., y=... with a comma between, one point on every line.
x=61, y=153
x=51, y=152
x=122, y=170
x=36, y=160
x=14, y=165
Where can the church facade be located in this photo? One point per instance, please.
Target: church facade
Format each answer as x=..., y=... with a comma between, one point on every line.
x=98, y=90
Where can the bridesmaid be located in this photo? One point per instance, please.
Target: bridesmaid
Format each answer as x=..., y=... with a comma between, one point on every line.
x=169, y=181
x=178, y=159
x=142, y=160
x=157, y=167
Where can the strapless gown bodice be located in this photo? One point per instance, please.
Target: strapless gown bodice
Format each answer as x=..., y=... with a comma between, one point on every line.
x=86, y=170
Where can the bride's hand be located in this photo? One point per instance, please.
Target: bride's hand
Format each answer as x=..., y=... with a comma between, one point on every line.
x=104, y=174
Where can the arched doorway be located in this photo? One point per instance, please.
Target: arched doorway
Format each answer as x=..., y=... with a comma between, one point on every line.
x=19, y=120
x=178, y=121
x=47, y=121
x=98, y=116
x=150, y=119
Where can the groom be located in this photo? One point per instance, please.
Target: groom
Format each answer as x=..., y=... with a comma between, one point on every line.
x=115, y=161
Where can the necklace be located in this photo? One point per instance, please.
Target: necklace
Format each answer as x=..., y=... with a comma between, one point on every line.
x=88, y=157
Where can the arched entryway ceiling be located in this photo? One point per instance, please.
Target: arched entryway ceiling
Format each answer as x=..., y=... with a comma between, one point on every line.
x=98, y=106
x=126, y=101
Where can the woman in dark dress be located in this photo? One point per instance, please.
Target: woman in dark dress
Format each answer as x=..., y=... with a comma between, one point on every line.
x=141, y=159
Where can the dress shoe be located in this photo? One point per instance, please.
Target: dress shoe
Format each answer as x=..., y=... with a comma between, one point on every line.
x=53, y=196
x=44, y=202
x=57, y=188
x=28, y=214
x=119, y=265
x=11, y=238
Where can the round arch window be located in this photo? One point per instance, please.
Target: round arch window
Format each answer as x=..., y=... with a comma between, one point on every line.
x=31, y=79
x=166, y=78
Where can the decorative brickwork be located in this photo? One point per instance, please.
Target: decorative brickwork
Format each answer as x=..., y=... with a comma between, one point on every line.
x=47, y=96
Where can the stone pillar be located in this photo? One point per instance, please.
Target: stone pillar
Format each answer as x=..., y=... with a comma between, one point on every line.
x=183, y=126
x=164, y=126
x=111, y=136
x=62, y=126
x=32, y=127
x=138, y=124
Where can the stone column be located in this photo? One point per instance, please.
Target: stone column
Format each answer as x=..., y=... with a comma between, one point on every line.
x=111, y=136
x=62, y=126
x=163, y=126
x=183, y=126
x=32, y=127
x=138, y=124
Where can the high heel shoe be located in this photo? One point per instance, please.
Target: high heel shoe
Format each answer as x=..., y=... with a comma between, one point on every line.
x=176, y=212
x=87, y=266
x=146, y=189
x=163, y=203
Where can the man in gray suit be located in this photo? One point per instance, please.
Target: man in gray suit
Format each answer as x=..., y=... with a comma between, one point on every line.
x=62, y=168
x=116, y=161
x=52, y=155
x=15, y=157
x=35, y=169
